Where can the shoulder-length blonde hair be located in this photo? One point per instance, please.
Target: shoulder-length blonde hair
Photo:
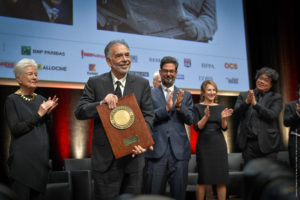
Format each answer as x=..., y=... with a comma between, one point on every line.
x=203, y=88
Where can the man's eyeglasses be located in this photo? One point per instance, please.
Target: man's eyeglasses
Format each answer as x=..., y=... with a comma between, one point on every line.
x=165, y=71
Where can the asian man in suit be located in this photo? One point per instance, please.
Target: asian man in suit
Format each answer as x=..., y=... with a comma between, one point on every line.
x=258, y=113
x=173, y=108
x=125, y=175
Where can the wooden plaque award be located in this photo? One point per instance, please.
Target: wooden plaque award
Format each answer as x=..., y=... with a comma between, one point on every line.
x=125, y=126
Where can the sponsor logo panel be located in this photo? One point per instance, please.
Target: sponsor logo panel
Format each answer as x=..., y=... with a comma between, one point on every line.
x=89, y=54
x=187, y=62
x=207, y=66
x=205, y=78
x=232, y=80
x=134, y=58
x=27, y=50
x=231, y=65
x=7, y=64
x=143, y=74
x=180, y=76
x=52, y=67
x=156, y=60
x=92, y=70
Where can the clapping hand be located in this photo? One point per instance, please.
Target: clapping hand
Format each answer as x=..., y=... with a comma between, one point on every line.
x=207, y=112
x=251, y=98
x=53, y=103
x=179, y=99
x=170, y=102
x=47, y=106
x=227, y=112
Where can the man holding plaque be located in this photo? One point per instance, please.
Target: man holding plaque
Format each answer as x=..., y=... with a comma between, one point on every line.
x=173, y=108
x=113, y=177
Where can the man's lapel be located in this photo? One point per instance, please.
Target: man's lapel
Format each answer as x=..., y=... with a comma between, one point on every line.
x=129, y=86
x=161, y=94
x=108, y=84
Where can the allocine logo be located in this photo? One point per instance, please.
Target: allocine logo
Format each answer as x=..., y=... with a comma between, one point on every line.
x=52, y=67
x=187, y=62
x=92, y=70
x=26, y=50
x=231, y=65
x=232, y=80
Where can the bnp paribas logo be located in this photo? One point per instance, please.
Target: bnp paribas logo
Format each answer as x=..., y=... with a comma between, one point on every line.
x=26, y=50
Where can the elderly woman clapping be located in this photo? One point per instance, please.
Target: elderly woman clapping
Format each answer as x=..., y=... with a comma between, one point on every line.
x=27, y=114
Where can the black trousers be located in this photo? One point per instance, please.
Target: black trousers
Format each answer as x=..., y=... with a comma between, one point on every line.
x=24, y=192
x=252, y=151
x=167, y=169
x=125, y=176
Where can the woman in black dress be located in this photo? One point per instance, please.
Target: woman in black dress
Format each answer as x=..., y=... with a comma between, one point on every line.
x=27, y=115
x=211, y=149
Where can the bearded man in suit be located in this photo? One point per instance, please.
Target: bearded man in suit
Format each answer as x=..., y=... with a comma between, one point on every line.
x=115, y=176
x=173, y=108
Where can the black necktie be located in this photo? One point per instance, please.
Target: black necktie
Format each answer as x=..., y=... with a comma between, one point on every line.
x=118, y=90
x=259, y=98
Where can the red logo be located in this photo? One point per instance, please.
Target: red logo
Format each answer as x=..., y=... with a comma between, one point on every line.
x=7, y=64
x=86, y=54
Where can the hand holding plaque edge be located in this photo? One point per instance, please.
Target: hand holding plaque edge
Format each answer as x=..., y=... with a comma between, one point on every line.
x=111, y=100
x=139, y=150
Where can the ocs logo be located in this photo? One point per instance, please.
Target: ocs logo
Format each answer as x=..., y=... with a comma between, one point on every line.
x=231, y=66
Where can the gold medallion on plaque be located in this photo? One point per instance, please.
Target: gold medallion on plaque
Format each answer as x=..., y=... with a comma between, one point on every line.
x=122, y=117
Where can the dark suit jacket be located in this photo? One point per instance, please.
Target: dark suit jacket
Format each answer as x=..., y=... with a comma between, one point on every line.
x=171, y=123
x=291, y=118
x=267, y=121
x=95, y=90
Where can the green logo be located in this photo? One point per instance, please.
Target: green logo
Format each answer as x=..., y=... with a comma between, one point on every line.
x=26, y=50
